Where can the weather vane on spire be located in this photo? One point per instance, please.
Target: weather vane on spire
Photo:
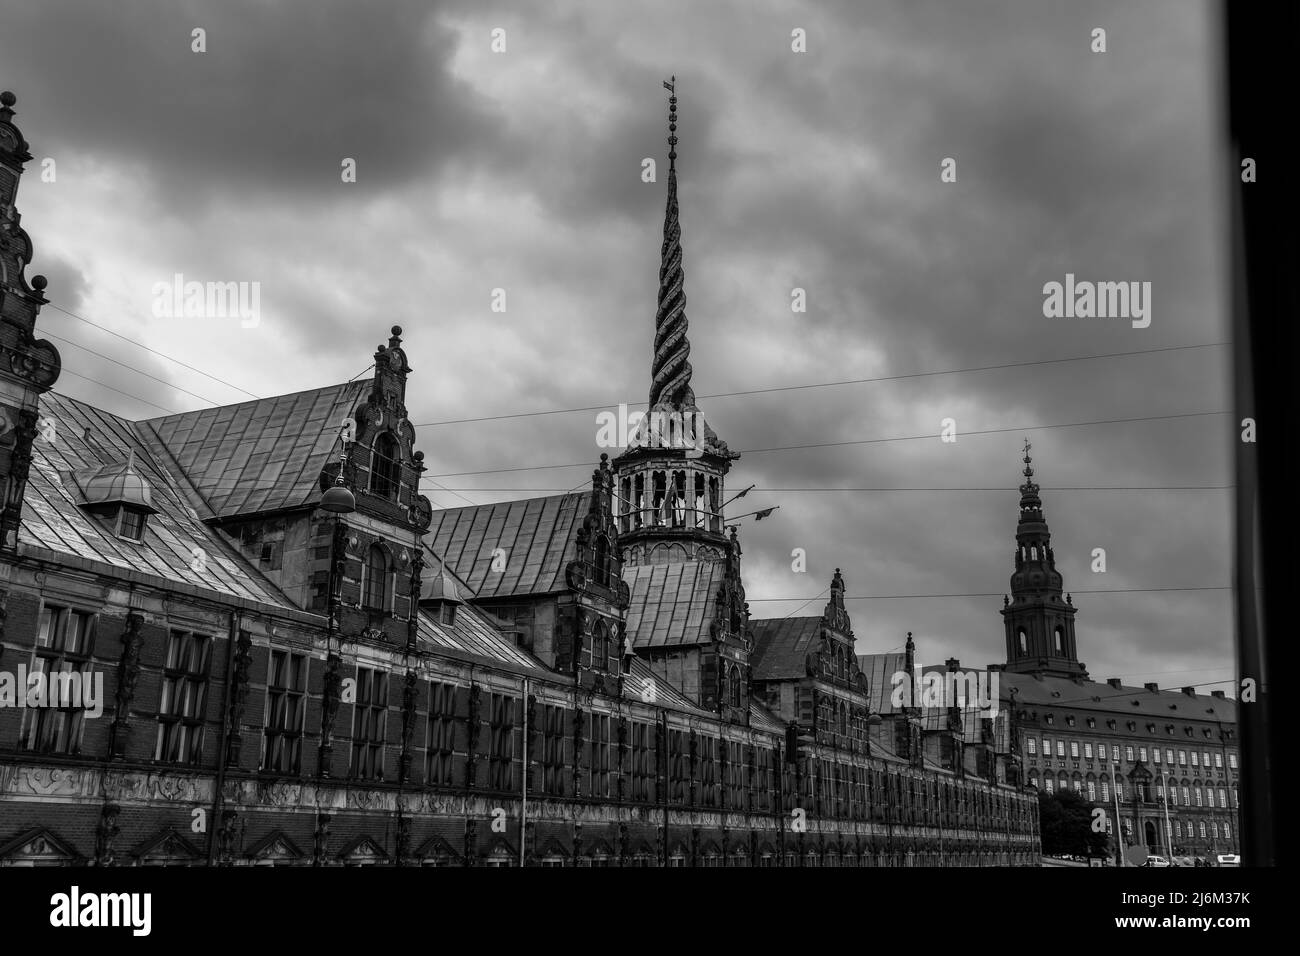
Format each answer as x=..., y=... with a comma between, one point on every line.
x=671, y=86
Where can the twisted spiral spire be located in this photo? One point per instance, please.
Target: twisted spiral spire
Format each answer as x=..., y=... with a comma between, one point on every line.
x=670, y=373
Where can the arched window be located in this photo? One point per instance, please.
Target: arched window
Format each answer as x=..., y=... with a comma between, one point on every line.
x=1033, y=552
x=1060, y=641
x=734, y=679
x=375, y=592
x=385, y=469
x=1024, y=641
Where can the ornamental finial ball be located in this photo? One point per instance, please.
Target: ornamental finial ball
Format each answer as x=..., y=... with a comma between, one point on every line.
x=397, y=330
x=39, y=283
x=7, y=98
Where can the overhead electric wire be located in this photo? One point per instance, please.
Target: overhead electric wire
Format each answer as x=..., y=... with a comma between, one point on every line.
x=871, y=441
x=854, y=381
x=153, y=350
x=138, y=371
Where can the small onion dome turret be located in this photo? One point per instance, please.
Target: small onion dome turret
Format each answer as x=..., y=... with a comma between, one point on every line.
x=119, y=484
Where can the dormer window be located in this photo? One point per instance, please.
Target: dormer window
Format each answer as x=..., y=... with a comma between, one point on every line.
x=120, y=496
x=441, y=598
x=131, y=523
x=385, y=468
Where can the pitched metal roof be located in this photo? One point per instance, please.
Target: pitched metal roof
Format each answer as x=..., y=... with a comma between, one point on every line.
x=472, y=634
x=85, y=438
x=782, y=645
x=1163, y=706
x=880, y=670
x=664, y=694
x=760, y=718
x=263, y=455
x=534, y=535
x=672, y=604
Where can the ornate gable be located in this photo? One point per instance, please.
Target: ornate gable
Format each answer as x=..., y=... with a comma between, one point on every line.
x=167, y=848
x=38, y=847
x=362, y=851
x=275, y=848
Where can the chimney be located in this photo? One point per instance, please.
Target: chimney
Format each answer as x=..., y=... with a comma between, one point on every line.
x=952, y=664
x=1217, y=693
x=1114, y=682
x=1153, y=687
x=1189, y=691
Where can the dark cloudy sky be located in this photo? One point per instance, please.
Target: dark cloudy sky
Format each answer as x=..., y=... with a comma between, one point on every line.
x=521, y=170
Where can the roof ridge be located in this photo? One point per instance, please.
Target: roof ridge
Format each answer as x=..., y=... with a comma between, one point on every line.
x=174, y=468
x=254, y=401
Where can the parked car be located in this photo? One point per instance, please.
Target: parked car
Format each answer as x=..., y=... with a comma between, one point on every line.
x=1227, y=859
x=1154, y=860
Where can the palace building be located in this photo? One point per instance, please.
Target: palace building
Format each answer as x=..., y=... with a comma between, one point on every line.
x=302, y=663
x=1163, y=762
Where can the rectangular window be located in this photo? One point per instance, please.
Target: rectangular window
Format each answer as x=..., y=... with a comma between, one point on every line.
x=184, y=699
x=286, y=686
x=132, y=525
x=641, y=772
x=1049, y=785
x=65, y=642
x=1182, y=758
x=1169, y=757
x=677, y=767
x=1128, y=753
x=1074, y=749
x=1195, y=759
x=1087, y=751
x=1218, y=761
x=501, y=743
x=1178, y=829
x=1033, y=746
x=369, y=724
x=1232, y=761
x=1227, y=832
x=553, y=733
x=1114, y=752
x=1187, y=797
x=1223, y=798
x=708, y=771
x=1060, y=748
x=1047, y=747
x=440, y=740
x=735, y=776
x=1155, y=754
x=1092, y=790
x=1201, y=828
x=598, y=765
x=1205, y=759
x=1142, y=754
x=1209, y=796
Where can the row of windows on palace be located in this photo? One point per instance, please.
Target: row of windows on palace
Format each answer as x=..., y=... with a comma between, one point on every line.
x=1192, y=793
x=725, y=770
x=1213, y=830
x=1198, y=758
